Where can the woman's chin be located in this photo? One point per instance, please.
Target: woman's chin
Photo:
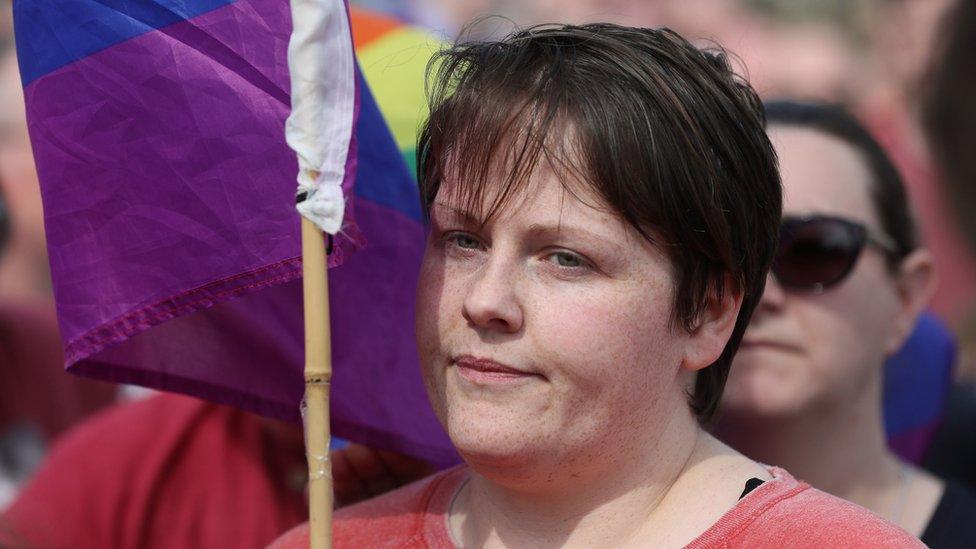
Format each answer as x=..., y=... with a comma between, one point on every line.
x=492, y=447
x=767, y=404
x=764, y=394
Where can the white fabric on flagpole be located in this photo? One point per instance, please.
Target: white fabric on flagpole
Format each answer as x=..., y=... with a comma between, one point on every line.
x=323, y=94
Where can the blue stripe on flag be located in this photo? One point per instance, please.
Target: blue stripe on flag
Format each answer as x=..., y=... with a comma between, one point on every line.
x=383, y=176
x=52, y=34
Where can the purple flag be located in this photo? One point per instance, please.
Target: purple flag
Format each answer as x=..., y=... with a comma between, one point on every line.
x=158, y=133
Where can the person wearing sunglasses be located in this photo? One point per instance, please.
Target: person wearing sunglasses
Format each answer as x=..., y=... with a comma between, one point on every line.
x=847, y=285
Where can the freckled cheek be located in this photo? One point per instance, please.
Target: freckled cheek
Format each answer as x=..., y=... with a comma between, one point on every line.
x=431, y=292
x=608, y=350
x=440, y=295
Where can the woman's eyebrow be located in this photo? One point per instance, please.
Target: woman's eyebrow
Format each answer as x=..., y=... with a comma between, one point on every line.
x=550, y=231
x=463, y=215
x=555, y=231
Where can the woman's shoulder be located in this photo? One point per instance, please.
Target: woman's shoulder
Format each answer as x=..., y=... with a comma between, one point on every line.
x=785, y=512
x=412, y=515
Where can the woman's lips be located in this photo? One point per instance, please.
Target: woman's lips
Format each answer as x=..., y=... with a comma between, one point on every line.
x=482, y=371
x=770, y=344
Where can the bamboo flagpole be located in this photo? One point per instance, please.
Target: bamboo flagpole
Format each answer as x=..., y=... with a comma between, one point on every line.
x=318, y=377
x=323, y=100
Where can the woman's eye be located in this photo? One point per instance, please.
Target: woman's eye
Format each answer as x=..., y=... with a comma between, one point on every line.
x=464, y=241
x=567, y=259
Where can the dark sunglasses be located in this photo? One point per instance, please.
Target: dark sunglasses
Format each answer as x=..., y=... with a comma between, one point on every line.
x=816, y=252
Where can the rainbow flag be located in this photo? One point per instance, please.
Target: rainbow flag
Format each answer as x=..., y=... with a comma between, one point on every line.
x=158, y=133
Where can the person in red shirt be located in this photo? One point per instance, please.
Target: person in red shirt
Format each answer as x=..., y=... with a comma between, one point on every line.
x=604, y=206
x=165, y=471
x=38, y=401
x=174, y=471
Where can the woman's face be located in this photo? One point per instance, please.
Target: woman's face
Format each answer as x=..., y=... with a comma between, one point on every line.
x=544, y=335
x=804, y=350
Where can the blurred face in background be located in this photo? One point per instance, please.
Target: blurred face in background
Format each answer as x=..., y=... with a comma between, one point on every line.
x=809, y=58
x=24, y=267
x=805, y=350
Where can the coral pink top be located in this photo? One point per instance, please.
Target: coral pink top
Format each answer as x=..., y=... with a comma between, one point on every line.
x=782, y=512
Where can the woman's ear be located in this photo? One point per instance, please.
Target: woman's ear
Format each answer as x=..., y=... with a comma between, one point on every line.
x=915, y=281
x=715, y=325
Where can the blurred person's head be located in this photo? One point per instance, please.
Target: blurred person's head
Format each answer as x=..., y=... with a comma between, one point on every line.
x=849, y=279
x=703, y=23
x=949, y=117
x=604, y=205
x=4, y=223
x=24, y=269
x=950, y=111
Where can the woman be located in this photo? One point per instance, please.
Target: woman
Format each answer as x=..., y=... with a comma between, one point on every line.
x=604, y=205
x=848, y=284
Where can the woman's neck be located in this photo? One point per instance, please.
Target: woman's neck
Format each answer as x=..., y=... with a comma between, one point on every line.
x=601, y=509
x=612, y=508
x=839, y=448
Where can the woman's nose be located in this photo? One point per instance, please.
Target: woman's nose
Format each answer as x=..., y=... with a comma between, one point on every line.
x=491, y=303
x=773, y=295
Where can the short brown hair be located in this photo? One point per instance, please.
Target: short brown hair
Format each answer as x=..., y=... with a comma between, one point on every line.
x=668, y=135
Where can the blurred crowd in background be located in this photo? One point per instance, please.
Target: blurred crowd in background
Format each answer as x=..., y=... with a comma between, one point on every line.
x=870, y=55
x=874, y=56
